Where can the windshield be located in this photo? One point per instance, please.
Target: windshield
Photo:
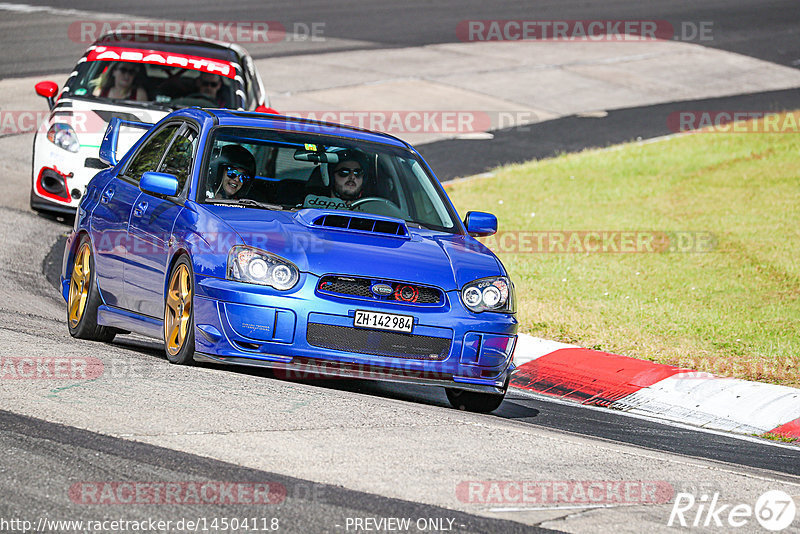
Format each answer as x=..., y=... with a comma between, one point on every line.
x=290, y=170
x=165, y=85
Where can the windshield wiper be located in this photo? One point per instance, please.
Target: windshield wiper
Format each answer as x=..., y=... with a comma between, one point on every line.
x=244, y=202
x=418, y=224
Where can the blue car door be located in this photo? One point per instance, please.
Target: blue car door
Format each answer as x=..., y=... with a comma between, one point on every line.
x=112, y=214
x=109, y=229
x=150, y=229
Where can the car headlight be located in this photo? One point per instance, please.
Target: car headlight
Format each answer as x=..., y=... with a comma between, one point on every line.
x=246, y=264
x=494, y=294
x=63, y=136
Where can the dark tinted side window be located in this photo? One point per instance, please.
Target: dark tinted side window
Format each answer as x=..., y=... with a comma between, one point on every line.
x=149, y=156
x=178, y=160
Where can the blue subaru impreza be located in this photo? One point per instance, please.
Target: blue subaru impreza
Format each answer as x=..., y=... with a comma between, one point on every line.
x=312, y=248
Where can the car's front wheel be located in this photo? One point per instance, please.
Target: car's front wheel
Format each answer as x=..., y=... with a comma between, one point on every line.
x=84, y=297
x=472, y=401
x=179, y=313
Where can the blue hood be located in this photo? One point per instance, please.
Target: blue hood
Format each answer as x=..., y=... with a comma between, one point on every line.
x=445, y=260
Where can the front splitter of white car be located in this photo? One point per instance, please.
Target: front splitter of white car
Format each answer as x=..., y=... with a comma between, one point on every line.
x=59, y=176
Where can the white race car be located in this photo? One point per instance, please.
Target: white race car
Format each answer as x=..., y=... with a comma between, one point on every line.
x=136, y=77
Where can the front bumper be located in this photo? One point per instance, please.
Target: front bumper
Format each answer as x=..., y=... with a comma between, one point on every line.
x=307, y=334
x=59, y=177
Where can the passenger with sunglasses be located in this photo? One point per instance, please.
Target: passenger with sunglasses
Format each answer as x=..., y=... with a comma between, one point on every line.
x=121, y=81
x=231, y=173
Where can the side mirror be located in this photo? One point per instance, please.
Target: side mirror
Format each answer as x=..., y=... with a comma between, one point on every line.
x=48, y=90
x=480, y=224
x=159, y=184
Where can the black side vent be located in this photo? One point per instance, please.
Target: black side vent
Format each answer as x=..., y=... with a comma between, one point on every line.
x=363, y=224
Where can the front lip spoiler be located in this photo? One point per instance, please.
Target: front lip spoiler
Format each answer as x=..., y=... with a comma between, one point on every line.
x=42, y=205
x=315, y=369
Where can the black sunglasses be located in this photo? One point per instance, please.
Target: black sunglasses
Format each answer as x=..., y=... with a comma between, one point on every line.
x=207, y=83
x=128, y=70
x=344, y=173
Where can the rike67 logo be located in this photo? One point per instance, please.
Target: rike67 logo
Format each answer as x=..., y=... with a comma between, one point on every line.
x=775, y=510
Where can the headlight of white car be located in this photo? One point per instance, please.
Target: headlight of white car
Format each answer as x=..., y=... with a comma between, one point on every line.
x=494, y=294
x=63, y=136
x=247, y=264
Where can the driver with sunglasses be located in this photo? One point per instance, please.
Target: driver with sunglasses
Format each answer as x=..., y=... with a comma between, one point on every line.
x=208, y=85
x=347, y=177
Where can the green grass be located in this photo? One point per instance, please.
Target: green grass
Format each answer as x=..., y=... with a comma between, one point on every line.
x=733, y=311
x=778, y=437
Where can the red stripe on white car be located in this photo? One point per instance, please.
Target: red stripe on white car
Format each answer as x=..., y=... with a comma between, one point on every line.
x=157, y=57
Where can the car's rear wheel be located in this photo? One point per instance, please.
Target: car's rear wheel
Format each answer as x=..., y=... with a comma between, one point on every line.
x=179, y=313
x=473, y=401
x=84, y=297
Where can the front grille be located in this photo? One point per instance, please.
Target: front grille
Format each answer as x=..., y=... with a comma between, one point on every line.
x=378, y=343
x=362, y=288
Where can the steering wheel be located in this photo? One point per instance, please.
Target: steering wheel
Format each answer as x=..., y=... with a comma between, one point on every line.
x=202, y=96
x=394, y=209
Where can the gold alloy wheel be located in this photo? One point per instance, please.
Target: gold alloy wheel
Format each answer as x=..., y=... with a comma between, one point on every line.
x=178, y=311
x=79, y=285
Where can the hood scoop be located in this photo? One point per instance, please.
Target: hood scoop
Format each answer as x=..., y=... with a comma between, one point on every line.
x=361, y=223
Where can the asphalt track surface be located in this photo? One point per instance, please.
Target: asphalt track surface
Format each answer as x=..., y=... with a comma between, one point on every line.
x=68, y=454
x=767, y=30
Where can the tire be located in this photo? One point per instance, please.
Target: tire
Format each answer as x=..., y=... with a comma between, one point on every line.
x=84, y=297
x=472, y=401
x=179, y=313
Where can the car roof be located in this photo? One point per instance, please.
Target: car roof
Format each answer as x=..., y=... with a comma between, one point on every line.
x=252, y=119
x=180, y=44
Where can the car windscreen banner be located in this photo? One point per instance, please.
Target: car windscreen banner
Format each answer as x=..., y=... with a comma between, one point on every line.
x=167, y=59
